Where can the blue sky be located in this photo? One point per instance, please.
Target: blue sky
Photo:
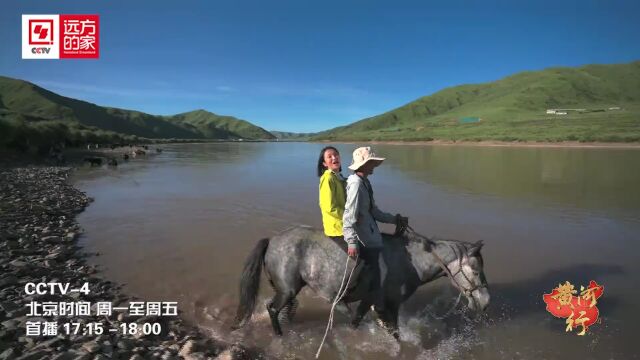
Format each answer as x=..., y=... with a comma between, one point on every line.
x=313, y=65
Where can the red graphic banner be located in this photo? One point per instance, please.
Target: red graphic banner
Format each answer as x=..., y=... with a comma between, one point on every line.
x=79, y=36
x=579, y=308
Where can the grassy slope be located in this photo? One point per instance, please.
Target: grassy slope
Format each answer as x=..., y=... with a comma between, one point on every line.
x=25, y=104
x=285, y=135
x=33, y=103
x=219, y=126
x=514, y=108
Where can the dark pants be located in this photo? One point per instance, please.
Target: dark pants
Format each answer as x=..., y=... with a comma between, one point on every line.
x=368, y=260
x=371, y=257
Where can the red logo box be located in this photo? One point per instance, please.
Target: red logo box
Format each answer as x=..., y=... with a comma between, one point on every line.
x=79, y=36
x=40, y=32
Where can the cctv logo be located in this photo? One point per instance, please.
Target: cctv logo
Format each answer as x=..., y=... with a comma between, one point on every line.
x=60, y=36
x=39, y=37
x=40, y=33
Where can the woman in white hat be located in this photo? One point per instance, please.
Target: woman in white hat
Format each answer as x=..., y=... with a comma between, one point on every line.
x=360, y=228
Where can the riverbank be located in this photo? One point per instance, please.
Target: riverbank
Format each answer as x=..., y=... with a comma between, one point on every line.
x=38, y=242
x=76, y=156
x=533, y=144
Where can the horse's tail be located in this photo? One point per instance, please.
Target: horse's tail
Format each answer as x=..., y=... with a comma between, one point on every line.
x=250, y=282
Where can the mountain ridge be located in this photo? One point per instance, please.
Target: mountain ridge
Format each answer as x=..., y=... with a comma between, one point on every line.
x=24, y=102
x=514, y=108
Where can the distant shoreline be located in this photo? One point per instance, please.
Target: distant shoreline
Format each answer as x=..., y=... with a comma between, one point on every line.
x=492, y=143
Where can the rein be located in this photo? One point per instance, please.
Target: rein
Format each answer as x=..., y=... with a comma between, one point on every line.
x=341, y=293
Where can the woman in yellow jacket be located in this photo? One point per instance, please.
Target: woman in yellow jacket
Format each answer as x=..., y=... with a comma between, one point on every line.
x=332, y=193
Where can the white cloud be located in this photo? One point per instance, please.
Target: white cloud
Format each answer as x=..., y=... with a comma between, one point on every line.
x=76, y=88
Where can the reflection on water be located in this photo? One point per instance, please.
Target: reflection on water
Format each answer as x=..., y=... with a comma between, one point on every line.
x=179, y=226
x=595, y=178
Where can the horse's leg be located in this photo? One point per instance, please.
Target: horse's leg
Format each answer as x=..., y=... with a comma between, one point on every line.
x=283, y=273
x=390, y=319
x=344, y=308
x=361, y=311
x=288, y=312
x=277, y=303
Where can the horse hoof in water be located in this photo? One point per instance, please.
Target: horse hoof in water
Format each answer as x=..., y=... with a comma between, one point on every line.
x=393, y=331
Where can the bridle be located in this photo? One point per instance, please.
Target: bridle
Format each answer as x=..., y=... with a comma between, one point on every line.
x=465, y=291
x=452, y=276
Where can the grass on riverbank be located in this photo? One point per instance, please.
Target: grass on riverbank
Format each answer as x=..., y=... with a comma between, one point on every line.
x=515, y=109
x=38, y=137
x=612, y=126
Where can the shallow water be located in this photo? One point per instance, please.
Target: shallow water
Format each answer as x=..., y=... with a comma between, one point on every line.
x=179, y=226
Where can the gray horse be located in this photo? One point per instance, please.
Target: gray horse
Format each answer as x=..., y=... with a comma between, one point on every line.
x=302, y=256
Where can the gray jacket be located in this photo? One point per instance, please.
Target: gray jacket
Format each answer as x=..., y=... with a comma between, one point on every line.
x=361, y=213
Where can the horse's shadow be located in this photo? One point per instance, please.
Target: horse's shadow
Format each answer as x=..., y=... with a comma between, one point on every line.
x=509, y=301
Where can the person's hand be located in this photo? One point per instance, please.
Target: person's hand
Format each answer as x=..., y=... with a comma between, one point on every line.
x=402, y=221
x=352, y=252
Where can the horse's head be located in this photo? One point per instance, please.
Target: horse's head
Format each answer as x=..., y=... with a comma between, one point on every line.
x=462, y=263
x=467, y=274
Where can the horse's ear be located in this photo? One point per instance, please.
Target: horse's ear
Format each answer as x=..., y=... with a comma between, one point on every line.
x=475, y=248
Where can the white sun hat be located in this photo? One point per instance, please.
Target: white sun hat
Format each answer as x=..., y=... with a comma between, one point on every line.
x=363, y=154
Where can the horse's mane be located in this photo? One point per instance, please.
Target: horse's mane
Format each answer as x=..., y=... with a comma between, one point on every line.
x=459, y=247
x=413, y=236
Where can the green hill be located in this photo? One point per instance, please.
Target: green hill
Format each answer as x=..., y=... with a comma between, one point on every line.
x=284, y=135
x=22, y=99
x=31, y=116
x=214, y=126
x=515, y=108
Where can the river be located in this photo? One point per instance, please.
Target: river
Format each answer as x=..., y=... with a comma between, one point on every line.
x=178, y=226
